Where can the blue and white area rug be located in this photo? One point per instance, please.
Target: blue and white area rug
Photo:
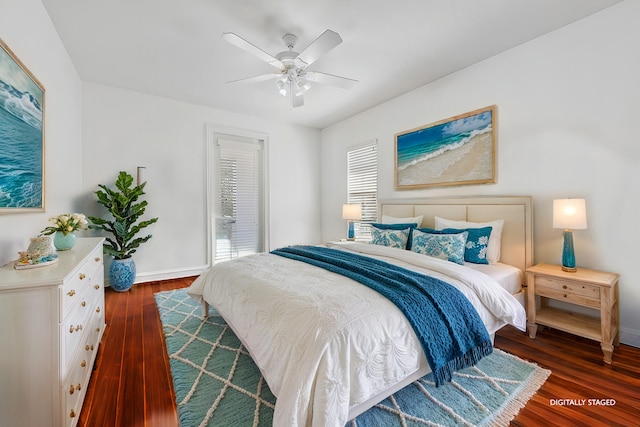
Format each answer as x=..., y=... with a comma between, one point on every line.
x=217, y=383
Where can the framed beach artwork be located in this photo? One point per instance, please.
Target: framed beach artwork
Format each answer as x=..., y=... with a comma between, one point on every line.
x=456, y=151
x=21, y=136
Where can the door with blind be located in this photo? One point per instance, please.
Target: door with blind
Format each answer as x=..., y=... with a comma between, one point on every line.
x=238, y=197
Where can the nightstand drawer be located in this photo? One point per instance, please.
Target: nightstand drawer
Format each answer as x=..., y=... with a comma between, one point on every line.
x=573, y=292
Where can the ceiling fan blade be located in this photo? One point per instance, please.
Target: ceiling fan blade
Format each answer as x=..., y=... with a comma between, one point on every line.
x=238, y=41
x=258, y=79
x=323, y=44
x=297, y=100
x=330, y=79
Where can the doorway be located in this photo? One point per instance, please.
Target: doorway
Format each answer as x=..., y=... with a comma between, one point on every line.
x=236, y=183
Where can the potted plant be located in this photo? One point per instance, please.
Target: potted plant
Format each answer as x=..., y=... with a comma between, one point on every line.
x=125, y=209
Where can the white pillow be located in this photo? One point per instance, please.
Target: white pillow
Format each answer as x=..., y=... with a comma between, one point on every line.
x=386, y=219
x=495, y=239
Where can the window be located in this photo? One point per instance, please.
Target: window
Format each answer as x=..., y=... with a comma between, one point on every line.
x=238, y=199
x=362, y=184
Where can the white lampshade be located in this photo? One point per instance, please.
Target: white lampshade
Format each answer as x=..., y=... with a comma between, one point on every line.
x=569, y=214
x=352, y=211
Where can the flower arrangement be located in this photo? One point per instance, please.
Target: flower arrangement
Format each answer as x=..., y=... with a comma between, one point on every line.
x=66, y=223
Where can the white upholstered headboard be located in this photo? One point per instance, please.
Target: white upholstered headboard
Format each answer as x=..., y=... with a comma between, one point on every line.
x=517, y=234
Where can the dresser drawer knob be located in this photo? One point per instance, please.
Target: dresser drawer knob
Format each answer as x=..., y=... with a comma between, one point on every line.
x=71, y=293
x=71, y=329
x=97, y=329
x=82, y=276
x=96, y=287
x=83, y=364
x=97, y=259
x=87, y=348
x=78, y=328
x=72, y=389
x=565, y=295
x=98, y=310
x=564, y=286
x=72, y=414
x=84, y=303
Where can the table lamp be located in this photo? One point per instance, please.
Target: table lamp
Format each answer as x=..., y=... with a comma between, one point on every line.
x=569, y=214
x=351, y=212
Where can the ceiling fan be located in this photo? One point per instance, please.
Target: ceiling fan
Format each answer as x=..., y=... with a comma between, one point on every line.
x=293, y=79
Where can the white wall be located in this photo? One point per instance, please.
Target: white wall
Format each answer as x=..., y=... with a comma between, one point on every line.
x=568, y=104
x=28, y=31
x=124, y=129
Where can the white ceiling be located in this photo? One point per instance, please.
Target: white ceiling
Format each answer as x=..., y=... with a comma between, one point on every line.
x=174, y=49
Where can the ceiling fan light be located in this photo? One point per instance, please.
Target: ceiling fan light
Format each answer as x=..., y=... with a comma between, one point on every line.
x=282, y=87
x=302, y=86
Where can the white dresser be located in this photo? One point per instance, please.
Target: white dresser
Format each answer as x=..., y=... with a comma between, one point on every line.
x=51, y=323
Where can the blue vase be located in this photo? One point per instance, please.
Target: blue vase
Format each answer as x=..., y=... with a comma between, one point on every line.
x=122, y=274
x=64, y=242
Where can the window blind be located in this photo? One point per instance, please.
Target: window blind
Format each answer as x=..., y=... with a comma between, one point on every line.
x=239, y=200
x=362, y=184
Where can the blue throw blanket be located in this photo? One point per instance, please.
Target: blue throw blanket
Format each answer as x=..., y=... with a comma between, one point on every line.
x=449, y=328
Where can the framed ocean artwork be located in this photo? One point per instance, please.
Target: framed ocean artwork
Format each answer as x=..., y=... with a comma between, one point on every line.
x=456, y=151
x=21, y=136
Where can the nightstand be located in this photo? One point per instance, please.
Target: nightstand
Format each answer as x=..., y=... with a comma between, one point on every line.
x=586, y=288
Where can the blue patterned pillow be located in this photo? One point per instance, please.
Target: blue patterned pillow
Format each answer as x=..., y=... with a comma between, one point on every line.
x=390, y=237
x=403, y=226
x=477, y=243
x=448, y=246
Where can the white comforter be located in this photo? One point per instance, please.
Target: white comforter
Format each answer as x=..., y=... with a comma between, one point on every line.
x=324, y=342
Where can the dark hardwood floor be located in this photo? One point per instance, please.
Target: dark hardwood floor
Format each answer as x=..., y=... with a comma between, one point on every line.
x=131, y=384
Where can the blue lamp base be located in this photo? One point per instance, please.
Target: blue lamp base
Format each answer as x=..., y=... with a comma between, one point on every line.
x=568, y=254
x=351, y=235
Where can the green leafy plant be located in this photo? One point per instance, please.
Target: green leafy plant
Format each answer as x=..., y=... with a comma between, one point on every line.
x=122, y=203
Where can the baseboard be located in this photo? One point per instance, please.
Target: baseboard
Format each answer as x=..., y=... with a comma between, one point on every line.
x=630, y=337
x=164, y=275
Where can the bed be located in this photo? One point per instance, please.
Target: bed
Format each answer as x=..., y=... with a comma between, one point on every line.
x=330, y=348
